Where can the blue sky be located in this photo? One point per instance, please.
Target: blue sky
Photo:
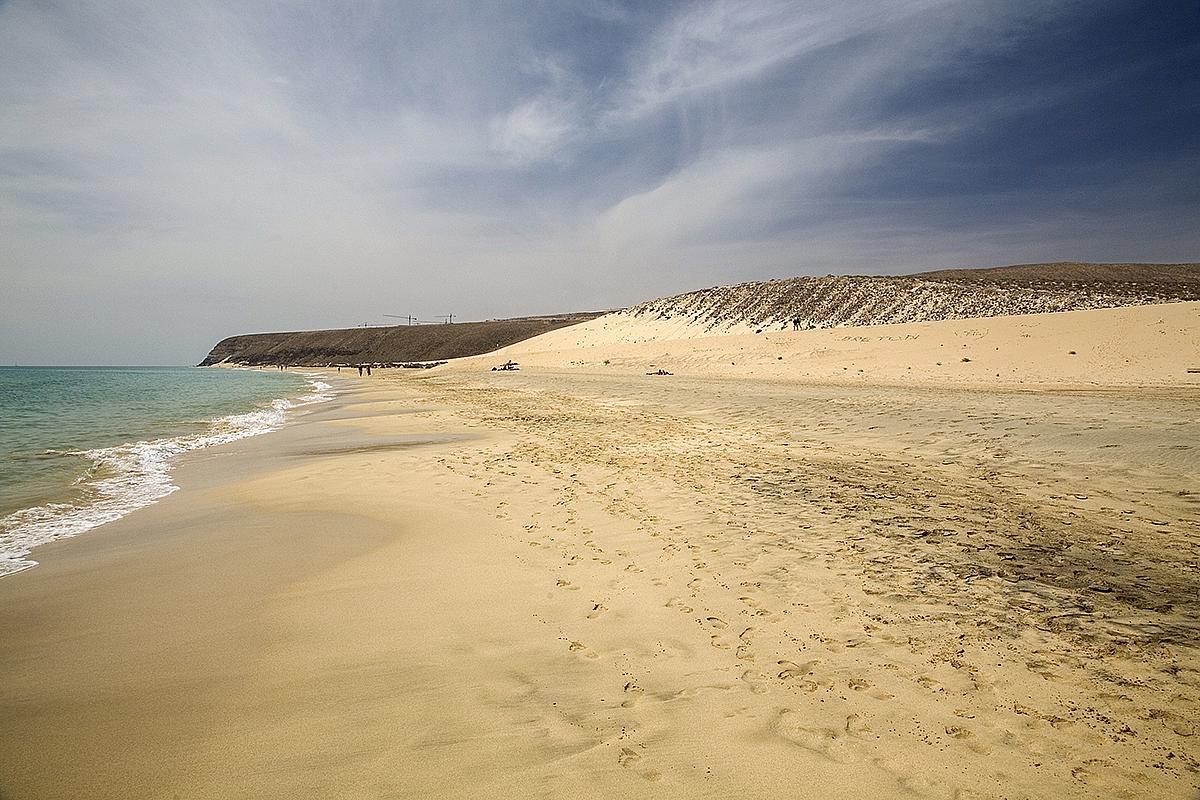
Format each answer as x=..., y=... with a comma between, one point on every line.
x=171, y=173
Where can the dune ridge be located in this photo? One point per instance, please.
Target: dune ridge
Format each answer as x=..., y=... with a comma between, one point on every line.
x=1134, y=346
x=844, y=301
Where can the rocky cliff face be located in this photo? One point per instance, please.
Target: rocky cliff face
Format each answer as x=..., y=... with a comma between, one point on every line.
x=386, y=345
x=952, y=294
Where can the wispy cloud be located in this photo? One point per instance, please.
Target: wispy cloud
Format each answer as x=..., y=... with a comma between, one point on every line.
x=539, y=126
x=250, y=165
x=715, y=46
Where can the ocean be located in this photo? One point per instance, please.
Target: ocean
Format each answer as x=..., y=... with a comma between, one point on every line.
x=82, y=446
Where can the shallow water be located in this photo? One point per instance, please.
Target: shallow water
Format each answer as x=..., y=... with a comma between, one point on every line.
x=82, y=446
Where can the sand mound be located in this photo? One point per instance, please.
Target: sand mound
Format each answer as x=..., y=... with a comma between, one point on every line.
x=840, y=301
x=1166, y=277
x=1149, y=345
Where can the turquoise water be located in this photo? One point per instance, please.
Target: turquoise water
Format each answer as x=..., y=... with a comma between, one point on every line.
x=81, y=446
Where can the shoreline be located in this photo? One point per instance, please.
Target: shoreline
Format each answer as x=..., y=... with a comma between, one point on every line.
x=565, y=583
x=136, y=474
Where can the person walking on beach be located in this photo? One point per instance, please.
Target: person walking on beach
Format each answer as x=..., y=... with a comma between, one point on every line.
x=368, y=370
x=360, y=370
x=795, y=323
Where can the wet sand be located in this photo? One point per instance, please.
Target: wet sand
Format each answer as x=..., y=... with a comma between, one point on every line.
x=581, y=582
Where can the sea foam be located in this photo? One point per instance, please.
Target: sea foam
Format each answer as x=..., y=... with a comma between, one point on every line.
x=130, y=476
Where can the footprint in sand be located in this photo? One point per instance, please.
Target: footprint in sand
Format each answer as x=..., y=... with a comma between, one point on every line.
x=932, y=684
x=793, y=670
x=582, y=649
x=755, y=606
x=832, y=743
x=756, y=681
x=565, y=584
x=925, y=786
x=717, y=622
x=856, y=724
x=630, y=759
x=1098, y=774
x=744, y=653
x=633, y=691
x=676, y=602
x=597, y=610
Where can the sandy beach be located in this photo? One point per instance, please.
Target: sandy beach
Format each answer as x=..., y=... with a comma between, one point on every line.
x=969, y=570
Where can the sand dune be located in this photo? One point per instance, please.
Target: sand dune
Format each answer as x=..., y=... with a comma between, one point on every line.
x=1152, y=345
x=838, y=301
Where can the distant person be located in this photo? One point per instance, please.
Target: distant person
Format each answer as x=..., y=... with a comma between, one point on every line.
x=360, y=370
x=795, y=323
x=368, y=370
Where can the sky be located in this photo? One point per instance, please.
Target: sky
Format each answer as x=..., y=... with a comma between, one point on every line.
x=175, y=172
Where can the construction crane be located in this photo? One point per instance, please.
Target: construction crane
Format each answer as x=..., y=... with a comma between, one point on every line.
x=411, y=319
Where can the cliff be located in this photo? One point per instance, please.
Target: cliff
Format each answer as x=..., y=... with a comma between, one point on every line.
x=384, y=345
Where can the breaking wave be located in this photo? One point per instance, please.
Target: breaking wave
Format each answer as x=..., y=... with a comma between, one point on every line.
x=130, y=476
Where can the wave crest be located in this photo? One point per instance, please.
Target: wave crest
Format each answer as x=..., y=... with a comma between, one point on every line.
x=136, y=474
